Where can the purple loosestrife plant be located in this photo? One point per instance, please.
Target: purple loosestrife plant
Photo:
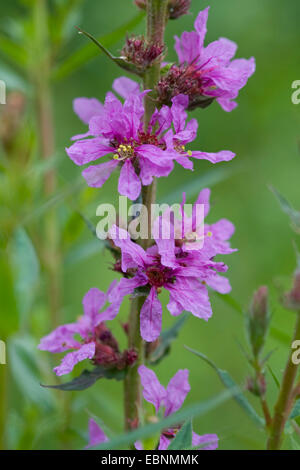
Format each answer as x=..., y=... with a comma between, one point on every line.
x=143, y=135
x=141, y=155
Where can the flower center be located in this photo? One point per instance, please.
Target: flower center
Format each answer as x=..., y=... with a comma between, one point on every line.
x=124, y=151
x=158, y=276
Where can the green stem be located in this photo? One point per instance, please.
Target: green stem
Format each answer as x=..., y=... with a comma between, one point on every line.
x=285, y=399
x=40, y=75
x=156, y=22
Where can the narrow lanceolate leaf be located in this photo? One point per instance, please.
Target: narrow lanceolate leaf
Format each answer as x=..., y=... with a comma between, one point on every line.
x=124, y=64
x=288, y=209
x=25, y=270
x=166, y=339
x=198, y=409
x=88, y=378
x=89, y=51
x=229, y=383
x=183, y=439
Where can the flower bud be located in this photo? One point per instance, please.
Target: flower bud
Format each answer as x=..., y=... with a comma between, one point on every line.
x=257, y=386
x=258, y=320
x=186, y=80
x=140, y=52
x=178, y=8
x=291, y=299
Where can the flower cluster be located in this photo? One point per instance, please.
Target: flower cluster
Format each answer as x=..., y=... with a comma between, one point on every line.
x=183, y=264
x=95, y=342
x=140, y=52
x=205, y=73
x=141, y=154
x=170, y=400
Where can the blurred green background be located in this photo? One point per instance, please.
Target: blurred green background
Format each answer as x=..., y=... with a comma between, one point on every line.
x=264, y=133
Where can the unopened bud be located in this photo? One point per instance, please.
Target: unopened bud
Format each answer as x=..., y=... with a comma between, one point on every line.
x=257, y=386
x=140, y=52
x=291, y=299
x=178, y=8
x=258, y=320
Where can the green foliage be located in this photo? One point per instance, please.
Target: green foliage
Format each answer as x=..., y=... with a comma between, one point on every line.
x=88, y=378
x=83, y=55
x=183, y=439
x=166, y=339
x=26, y=271
x=229, y=383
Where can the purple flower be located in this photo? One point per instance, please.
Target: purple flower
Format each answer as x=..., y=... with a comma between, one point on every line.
x=88, y=337
x=140, y=154
x=171, y=399
x=205, y=73
x=176, y=263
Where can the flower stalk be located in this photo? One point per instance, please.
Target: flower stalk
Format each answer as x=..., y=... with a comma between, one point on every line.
x=285, y=399
x=156, y=22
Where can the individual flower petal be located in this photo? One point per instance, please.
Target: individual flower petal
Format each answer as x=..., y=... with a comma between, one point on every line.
x=96, y=175
x=222, y=156
x=126, y=87
x=153, y=391
x=177, y=390
x=219, y=283
x=163, y=233
x=187, y=47
x=129, y=182
x=92, y=302
x=86, y=108
x=200, y=25
x=96, y=434
x=182, y=297
x=133, y=254
x=87, y=351
x=151, y=317
x=86, y=151
x=164, y=443
x=61, y=339
x=205, y=442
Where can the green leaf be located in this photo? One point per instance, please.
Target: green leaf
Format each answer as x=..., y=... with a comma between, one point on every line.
x=193, y=188
x=166, y=339
x=84, y=251
x=88, y=378
x=26, y=270
x=198, y=409
x=23, y=365
x=229, y=383
x=273, y=376
x=88, y=52
x=13, y=51
x=296, y=410
x=124, y=64
x=288, y=209
x=183, y=439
